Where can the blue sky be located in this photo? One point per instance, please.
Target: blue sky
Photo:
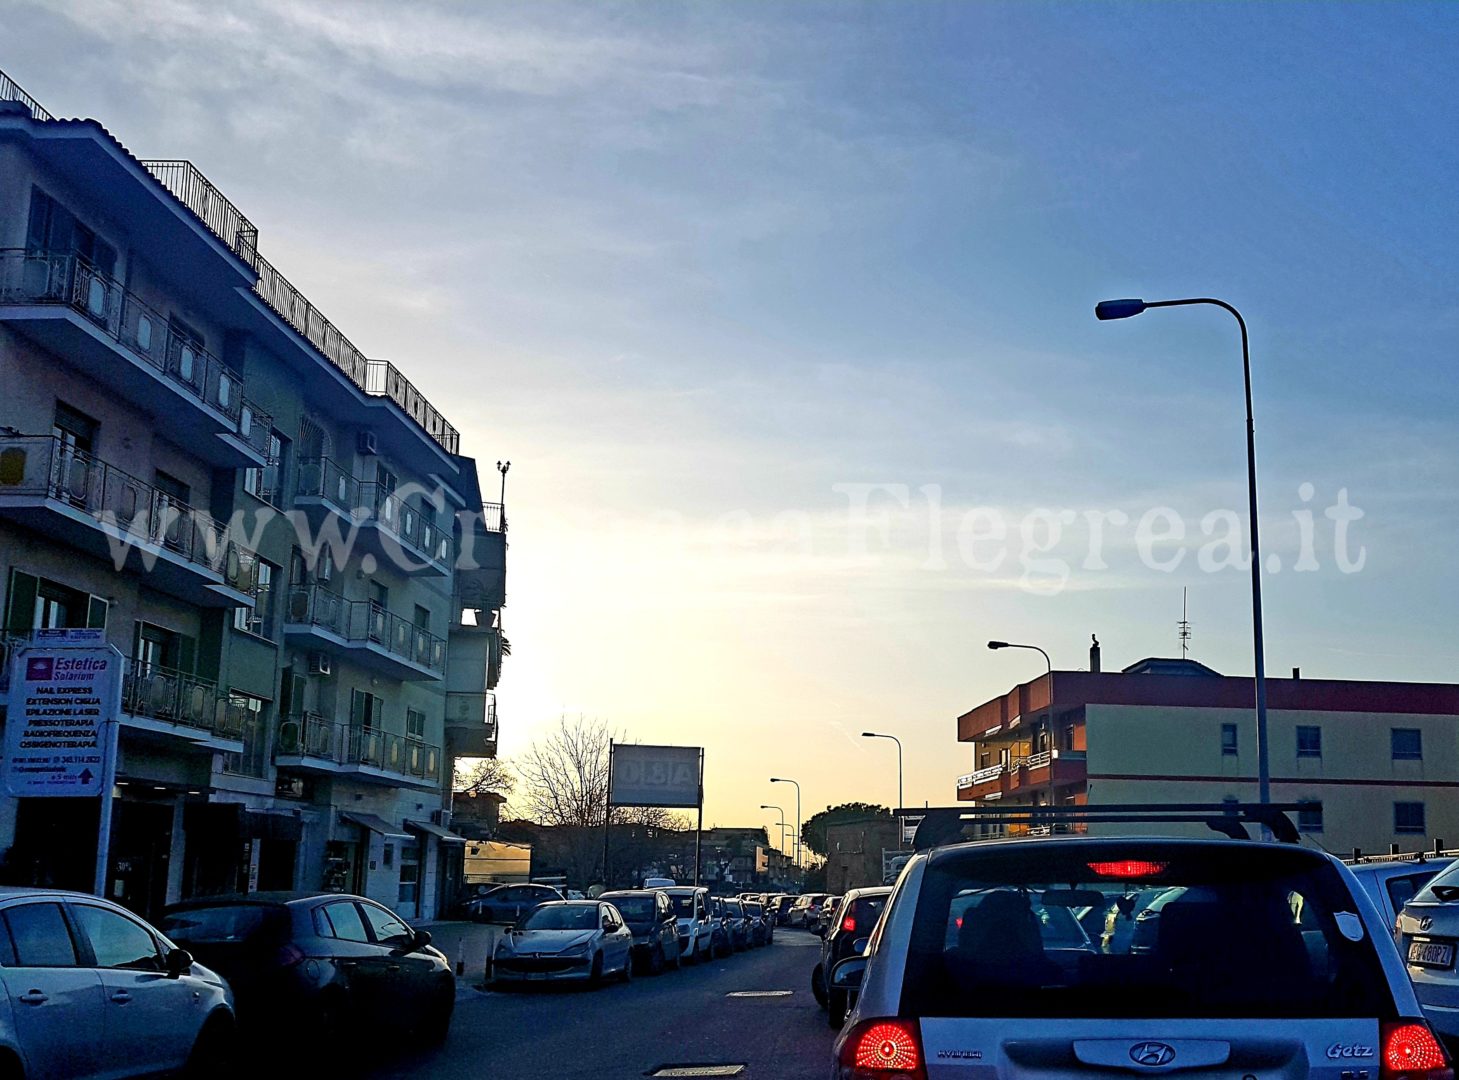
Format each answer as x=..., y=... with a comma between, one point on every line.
x=692, y=266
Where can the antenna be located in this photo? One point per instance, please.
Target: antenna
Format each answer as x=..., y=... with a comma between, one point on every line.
x=1184, y=625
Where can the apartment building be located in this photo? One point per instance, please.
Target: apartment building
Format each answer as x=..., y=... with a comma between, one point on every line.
x=1374, y=763
x=279, y=534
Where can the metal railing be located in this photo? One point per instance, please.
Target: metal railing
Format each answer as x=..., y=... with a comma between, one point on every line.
x=44, y=466
x=198, y=194
x=67, y=280
x=179, y=697
x=365, y=622
x=404, y=521
x=1033, y=761
x=322, y=478
x=10, y=91
x=493, y=517
x=383, y=379
x=981, y=776
x=312, y=735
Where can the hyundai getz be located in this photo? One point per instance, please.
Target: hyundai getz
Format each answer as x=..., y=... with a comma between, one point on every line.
x=1266, y=962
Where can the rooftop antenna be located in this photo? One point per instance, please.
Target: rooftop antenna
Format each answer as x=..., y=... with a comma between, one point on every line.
x=1184, y=624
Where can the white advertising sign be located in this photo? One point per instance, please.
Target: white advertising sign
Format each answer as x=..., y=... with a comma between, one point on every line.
x=57, y=736
x=655, y=775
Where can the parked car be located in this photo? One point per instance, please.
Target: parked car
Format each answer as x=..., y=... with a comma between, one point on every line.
x=780, y=906
x=722, y=941
x=508, y=903
x=1269, y=953
x=856, y=917
x=565, y=940
x=805, y=910
x=737, y=923
x=762, y=929
x=659, y=883
x=696, y=927
x=92, y=990
x=649, y=914
x=1428, y=933
x=1392, y=883
x=823, y=916
x=334, y=962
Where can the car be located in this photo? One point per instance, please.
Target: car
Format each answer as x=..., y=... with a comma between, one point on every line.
x=1392, y=883
x=696, y=927
x=336, y=962
x=92, y=990
x=737, y=923
x=855, y=918
x=723, y=936
x=649, y=914
x=1270, y=952
x=1427, y=937
x=659, y=883
x=762, y=929
x=780, y=906
x=805, y=909
x=582, y=940
x=823, y=916
x=508, y=903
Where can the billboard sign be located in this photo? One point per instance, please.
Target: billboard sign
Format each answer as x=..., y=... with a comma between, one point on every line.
x=60, y=734
x=655, y=775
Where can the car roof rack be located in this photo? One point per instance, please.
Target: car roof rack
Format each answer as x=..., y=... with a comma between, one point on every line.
x=1438, y=851
x=942, y=825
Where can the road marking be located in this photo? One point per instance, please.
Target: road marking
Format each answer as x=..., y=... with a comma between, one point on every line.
x=698, y=1070
x=760, y=993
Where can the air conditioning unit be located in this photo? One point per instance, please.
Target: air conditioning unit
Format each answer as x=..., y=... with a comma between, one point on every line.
x=366, y=443
x=441, y=818
x=318, y=664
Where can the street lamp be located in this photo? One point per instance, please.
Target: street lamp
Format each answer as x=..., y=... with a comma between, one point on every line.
x=502, y=467
x=767, y=806
x=779, y=780
x=1124, y=309
x=875, y=735
x=996, y=645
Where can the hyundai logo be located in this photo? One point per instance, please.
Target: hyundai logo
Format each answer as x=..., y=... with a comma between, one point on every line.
x=1426, y=922
x=1152, y=1054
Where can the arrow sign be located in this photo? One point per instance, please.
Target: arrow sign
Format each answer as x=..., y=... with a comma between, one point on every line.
x=85, y=776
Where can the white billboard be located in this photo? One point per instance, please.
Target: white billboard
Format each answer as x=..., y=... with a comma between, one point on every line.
x=655, y=775
x=57, y=737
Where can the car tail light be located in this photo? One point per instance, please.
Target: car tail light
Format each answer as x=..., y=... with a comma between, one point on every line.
x=848, y=924
x=882, y=1050
x=1129, y=869
x=1410, y=1049
x=289, y=955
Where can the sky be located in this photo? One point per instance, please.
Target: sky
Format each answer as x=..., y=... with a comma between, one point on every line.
x=782, y=313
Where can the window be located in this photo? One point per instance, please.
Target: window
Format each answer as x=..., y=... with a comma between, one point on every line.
x=1408, y=744
x=1309, y=740
x=74, y=428
x=1408, y=817
x=1309, y=816
x=173, y=488
x=388, y=930
x=409, y=892
x=41, y=936
x=157, y=647
x=265, y=483
x=54, y=229
x=342, y=921
x=415, y=723
x=1403, y=889
x=366, y=710
x=1228, y=740
x=422, y=617
x=34, y=603
x=259, y=619
x=379, y=595
x=117, y=941
x=253, y=759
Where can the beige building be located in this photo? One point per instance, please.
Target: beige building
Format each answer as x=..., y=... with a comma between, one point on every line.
x=1376, y=763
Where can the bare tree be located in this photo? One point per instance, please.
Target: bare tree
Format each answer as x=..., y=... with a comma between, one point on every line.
x=487, y=774
x=565, y=775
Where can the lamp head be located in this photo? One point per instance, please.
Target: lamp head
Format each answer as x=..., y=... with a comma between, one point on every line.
x=997, y=644
x=1118, y=309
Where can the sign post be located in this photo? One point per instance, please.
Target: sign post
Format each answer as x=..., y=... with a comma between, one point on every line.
x=61, y=734
x=667, y=776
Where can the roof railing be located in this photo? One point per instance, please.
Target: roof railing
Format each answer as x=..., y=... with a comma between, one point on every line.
x=944, y=825
x=10, y=91
x=202, y=197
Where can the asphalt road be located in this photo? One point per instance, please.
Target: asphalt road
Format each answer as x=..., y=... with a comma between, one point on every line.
x=617, y=1032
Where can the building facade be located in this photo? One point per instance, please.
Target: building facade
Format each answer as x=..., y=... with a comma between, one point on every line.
x=280, y=535
x=1375, y=763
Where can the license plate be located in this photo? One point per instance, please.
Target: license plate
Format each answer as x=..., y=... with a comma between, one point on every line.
x=1435, y=954
x=536, y=974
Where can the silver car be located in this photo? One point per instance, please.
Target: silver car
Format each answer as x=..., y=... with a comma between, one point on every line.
x=93, y=991
x=1428, y=933
x=1270, y=961
x=566, y=939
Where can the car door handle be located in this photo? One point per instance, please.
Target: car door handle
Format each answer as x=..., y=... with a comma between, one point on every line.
x=121, y=997
x=34, y=997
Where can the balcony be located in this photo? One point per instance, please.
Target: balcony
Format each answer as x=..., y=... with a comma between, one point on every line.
x=1048, y=768
x=470, y=724
x=81, y=501
x=363, y=633
x=387, y=526
x=481, y=566
x=162, y=702
x=113, y=337
x=316, y=744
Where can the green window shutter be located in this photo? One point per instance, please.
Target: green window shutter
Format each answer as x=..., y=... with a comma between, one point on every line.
x=187, y=653
x=96, y=609
x=20, y=603
x=137, y=639
x=357, y=708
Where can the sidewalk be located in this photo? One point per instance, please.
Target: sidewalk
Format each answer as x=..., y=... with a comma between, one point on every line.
x=466, y=943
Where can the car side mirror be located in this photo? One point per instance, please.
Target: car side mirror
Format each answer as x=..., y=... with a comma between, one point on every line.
x=419, y=940
x=847, y=975
x=179, y=963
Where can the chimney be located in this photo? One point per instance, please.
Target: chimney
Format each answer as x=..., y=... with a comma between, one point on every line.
x=1296, y=673
x=1094, y=655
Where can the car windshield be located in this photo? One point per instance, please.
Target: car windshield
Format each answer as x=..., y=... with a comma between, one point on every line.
x=562, y=917
x=633, y=908
x=1234, y=932
x=223, y=923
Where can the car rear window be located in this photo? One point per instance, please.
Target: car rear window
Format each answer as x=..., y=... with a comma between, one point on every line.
x=634, y=908
x=1079, y=930
x=223, y=923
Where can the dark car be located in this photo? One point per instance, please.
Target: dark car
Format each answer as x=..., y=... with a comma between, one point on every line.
x=722, y=942
x=323, y=962
x=650, y=915
x=737, y=924
x=509, y=903
x=856, y=917
x=761, y=926
x=779, y=908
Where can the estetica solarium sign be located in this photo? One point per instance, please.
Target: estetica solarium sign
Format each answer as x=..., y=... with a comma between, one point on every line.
x=656, y=775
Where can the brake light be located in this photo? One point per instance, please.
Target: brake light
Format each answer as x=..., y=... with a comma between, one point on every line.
x=848, y=924
x=289, y=955
x=882, y=1050
x=1128, y=869
x=1411, y=1049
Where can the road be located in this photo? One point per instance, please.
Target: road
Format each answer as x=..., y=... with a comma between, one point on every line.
x=618, y=1032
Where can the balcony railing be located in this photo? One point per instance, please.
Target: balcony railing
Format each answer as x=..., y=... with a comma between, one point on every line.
x=365, y=622
x=67, y=280
x=383, y=379
x=198, y=194
x=11, y=91
x=178, y=697
x=42, y=465
x=981, y=776
x=322, y=739
x=322, y=478
x=465, y=709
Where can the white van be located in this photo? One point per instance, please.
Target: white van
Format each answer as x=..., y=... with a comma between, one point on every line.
x=696, y=928
x=659, y=883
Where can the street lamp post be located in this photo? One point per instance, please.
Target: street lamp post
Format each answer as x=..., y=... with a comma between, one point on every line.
x=876, y=735
x=780, y=780
x=995, y=645
x=1124, y=309
x=767, y=806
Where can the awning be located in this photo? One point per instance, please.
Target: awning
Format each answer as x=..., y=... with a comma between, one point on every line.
x=374, y=824
x=444, y=835
x=233, y=820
